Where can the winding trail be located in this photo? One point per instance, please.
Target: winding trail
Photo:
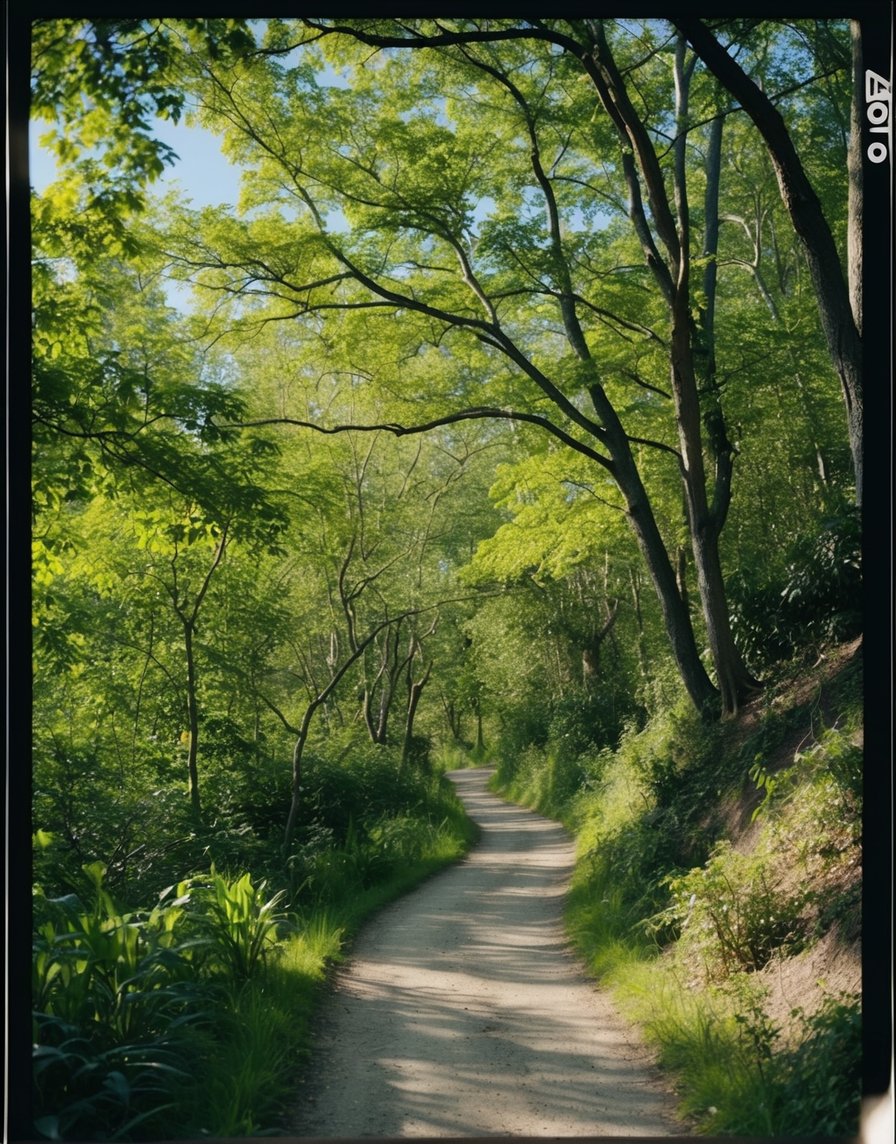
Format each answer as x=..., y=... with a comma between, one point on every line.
x=463, y=1013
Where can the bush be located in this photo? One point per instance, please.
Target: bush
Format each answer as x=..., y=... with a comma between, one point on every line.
x=419, y=753
x=811, y=1088
x=113, y=994
x=90, y=817
x=83, y=1092
x=580, y=724
x=359, y=783
x=730, y=913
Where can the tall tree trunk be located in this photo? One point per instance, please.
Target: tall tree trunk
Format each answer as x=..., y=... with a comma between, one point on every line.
x=452, y=717
x=692, y=343
x=842, y=328
x=367, y=710
x=734, y=681
x=188, y=621
x=477, y=711
x=856, y=167
x=298, y=752
x=635, y=582
x=634, y=138
x=383, y=689
x=676, y=617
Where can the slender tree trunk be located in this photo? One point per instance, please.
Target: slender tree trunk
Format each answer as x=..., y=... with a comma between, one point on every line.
x=146, y=663
x=841, y=326
x=856, y=166
x=382, y=725
x=367, y=709
x=358, y=650
x=477, y=711
x=188, y=621
x=384, y=687
x=693, y=343
x=296, y=795
x=452, y=717
x=734, y=681
x=635, y=582
x=681, y=570
x=193, y=723
x=676, y=616
x=415, y=690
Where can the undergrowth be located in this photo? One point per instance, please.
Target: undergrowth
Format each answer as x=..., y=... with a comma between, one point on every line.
x=679, y=898
x=189, y=1017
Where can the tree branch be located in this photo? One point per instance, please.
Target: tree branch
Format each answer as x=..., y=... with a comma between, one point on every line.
x=475, y=413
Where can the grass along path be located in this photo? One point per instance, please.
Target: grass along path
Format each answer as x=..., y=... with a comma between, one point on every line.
x=462, y=1011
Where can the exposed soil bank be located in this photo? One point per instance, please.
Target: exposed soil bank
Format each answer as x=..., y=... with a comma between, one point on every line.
x=462, y=1011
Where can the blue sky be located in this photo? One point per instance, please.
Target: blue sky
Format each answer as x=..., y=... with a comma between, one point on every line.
x=201, y=170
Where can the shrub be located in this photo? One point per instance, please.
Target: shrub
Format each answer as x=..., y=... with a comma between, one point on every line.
x=810, y=1088
x=419, y=753
x=819, y=1085
x=731, y=913
x=239, y=925
x=582, y=723
x=837, y=757
x=82, y=1092
x=358, y=783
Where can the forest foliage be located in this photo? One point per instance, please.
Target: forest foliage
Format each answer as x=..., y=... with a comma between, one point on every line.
x=502, y=410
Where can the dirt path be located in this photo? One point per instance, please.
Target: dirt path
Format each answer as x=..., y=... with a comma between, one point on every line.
x=462, y=1012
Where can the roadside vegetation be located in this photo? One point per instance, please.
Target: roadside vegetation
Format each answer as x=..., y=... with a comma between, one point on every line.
x=185, y=1012
x=712, y=861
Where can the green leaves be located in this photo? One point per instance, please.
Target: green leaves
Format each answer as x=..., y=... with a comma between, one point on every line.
x=241, y=924
x=102, y=80
x=563, y=515
x=116, y=995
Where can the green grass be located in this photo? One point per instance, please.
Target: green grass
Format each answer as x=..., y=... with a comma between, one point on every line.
x=675, y=921
x=262, y=1048
x=248, y=1064
x=219, y=983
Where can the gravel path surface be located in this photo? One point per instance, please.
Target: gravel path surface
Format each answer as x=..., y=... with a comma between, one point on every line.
x=463, y=1013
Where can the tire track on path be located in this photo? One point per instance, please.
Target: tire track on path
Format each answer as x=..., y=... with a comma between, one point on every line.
x=462, y=1011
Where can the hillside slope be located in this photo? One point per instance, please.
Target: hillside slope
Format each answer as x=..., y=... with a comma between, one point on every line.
x=718, y=890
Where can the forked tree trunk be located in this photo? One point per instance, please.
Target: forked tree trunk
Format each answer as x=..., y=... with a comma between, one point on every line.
x=591, y=651
x=301, y=733
x=415, y=690
x=672, y=274
x=697, y=403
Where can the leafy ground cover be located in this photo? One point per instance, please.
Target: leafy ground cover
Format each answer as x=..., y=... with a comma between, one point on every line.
x=190, y=1017
x=718, y=881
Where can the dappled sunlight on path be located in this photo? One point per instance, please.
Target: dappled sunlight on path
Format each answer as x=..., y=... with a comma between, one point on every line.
x=462, y=1012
